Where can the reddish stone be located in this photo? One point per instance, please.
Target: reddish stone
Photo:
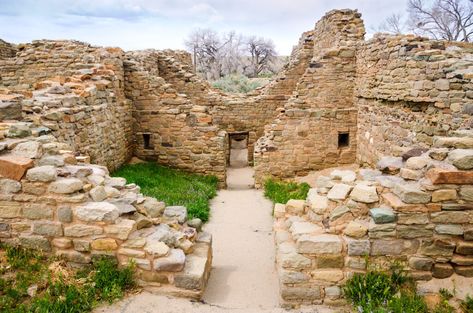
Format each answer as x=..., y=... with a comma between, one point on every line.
x=398, y=205
x=440, y=176
x=14, y=167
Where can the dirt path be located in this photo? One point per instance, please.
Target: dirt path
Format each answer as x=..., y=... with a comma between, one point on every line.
x=243, y=273
x=243, y=277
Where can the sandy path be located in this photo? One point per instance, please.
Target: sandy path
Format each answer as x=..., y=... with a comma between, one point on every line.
x=243, y=277
x=243, y=273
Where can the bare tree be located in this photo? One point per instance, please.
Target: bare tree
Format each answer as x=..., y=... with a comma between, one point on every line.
x=444, y=19
x=393, y=24
x=262, y=54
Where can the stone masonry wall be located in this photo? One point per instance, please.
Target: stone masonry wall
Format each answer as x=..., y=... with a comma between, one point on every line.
x=305, y=136
x=52, y=200
x=416, y=210
x=7, y=50
x=178, y=132
x=408, y=90
x=77, y=91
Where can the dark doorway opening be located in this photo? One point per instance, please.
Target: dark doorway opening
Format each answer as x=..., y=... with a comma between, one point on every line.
x=343, y=140
x=238, y=147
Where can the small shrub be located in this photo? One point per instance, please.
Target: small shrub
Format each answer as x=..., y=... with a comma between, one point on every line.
x=467, y=305
x=236, y=84
x=444, y=306
x=172, y=186
x=281, y=192
x=407, y=302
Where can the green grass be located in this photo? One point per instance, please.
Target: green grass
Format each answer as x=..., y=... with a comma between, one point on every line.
x=172, y=186
x=59, y=289
x=467, y=305
x=281, y=192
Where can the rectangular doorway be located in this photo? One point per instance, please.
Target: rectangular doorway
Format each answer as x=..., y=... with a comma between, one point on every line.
x=238, y=142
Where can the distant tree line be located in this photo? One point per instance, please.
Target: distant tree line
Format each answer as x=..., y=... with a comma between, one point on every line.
x=450, y=20
x=218, y=55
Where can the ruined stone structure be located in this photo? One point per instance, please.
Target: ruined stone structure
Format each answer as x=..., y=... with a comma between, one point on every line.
x=340, y=100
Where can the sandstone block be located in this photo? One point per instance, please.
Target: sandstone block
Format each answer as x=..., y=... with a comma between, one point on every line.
x=466, y=193
x=64, y=214
x=383, y=215
x=411, y=193
x=319, y=244
x=309, y=293
x=462, y=259
x=413, y=218
x=390, y=165
x=413, y=231
x=178, y=212
x=461, y=158
x=98, y=193
x=290, y=277
x=465, y=248
x=450, y=217
x=364, y=193
x=173, y=262
x=295, y=261
x=42, y=174
x=66, y=185
x=81, y=230
x=339, y=192
x=121, y=230
x=444, y=195
x=355, y=230
x=421, y=263
x=358, y=247
x=132, y=252
x=106, y=244
x=449, y=229
x=97, y=212
x=329, y=261
x=295, y=206
x=157, y=248
x=62, y=243
x=345, y=176
x=331, y=276
x=441, y=176
x=466, y=271
x=437, y=248
x=279, y=210
x=193, y=275
x=35, y=242
x=28, y=149
x=300, y=228
x=153, y=207
x=8, y=186
x=14, y=167
x=47, y=228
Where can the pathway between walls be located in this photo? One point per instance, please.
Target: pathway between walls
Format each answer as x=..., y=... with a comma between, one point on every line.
x=243, y=277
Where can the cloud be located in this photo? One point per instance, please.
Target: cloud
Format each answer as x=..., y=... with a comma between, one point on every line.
x=135, y=24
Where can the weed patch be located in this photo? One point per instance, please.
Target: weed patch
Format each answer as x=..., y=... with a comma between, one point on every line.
x=32, y=282
x=281, y=192
x=172, y=186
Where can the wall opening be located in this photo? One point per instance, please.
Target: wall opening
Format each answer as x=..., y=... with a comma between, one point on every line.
x=238, y=143
x=343, y=140
x=147, y=142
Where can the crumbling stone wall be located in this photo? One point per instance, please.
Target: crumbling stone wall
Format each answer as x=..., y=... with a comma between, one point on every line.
x=408, y=90
x=168, y=126
x=7, y=50
x=51, y=199
x=76, y=90
x=306, y=135
x=415, y=210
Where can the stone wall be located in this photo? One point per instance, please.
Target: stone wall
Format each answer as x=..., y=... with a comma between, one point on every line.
x=7, y=50
x=416, y=210
x=51, y=200
x=168, y=126
x=305, y=136
x=408, y=90
x=77, y=91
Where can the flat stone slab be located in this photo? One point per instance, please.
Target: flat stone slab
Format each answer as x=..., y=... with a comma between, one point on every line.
x=461, y=158
x=178, y=212
x=364, y=193
x=440, y=176
x=173, y=262
x=301, y=228
x=339, y=192
x=14, y=167
x=97, y=212
x=193, y=275
x=319, y=244
x=382, y=215
x=411, y=193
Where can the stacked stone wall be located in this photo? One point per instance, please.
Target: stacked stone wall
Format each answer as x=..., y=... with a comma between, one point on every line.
x=415, y=210
x=52, y=200
x=305, y=136
x=408, y=90
x=7, y=50
x=179, y=133
x=77, y=91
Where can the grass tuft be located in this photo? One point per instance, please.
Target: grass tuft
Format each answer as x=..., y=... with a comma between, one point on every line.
x=282, y=192
x=172, y=186
x=58, y=288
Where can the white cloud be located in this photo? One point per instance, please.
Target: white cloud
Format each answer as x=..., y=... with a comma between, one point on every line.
x=133, y=24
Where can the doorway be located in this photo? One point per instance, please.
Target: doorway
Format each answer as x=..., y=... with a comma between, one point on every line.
x=238, y=142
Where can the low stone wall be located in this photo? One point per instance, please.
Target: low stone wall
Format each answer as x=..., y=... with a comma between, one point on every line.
x=416, y=210
x=53, y=201
x=307, y=134
x=408, y=90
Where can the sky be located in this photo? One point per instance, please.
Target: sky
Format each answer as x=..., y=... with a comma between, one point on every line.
x=162, y=24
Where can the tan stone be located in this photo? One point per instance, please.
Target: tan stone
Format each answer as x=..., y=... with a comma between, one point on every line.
x=14, y=167
x=106, y=244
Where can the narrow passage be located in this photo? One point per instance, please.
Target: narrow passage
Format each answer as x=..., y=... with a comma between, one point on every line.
x=243, y=272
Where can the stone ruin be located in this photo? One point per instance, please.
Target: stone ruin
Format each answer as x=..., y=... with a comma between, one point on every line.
x=71, y=112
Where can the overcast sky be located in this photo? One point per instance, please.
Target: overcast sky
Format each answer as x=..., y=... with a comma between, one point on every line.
x=140, y=24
